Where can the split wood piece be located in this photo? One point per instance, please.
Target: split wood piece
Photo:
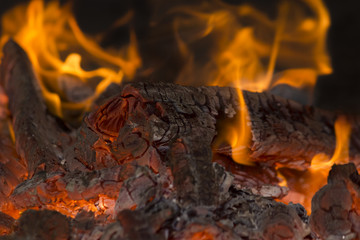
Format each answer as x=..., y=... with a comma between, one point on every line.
x=336, y=206
x=286, y=132
x=283, y=131
x=173, y=119
x=39, y=139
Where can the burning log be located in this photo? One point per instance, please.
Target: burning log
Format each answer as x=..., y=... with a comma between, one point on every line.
x=151, y=116
x=58, y=190
x=144, y=159
x=336, y=206
x=39, y=139
x=283, y=131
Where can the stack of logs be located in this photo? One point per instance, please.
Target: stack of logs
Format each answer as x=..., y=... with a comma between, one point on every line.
x=142, y=166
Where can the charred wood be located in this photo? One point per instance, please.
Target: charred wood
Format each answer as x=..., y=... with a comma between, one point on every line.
x=42, y=225
x=38, y=137
x=6, y=224
x=12, y=168
x=53, y=190
x=335, y=207
x=143, y=161
x=259, y=179
x=283, y=131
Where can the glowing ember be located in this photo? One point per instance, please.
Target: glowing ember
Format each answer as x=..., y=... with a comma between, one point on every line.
x=202, y=236
x=248, y=48
x=312, y=180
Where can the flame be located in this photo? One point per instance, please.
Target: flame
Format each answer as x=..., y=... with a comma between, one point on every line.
x=249, y=42
x=316, y=177
x=239, y=137
x=243, y=58
x=47, y=32
x=246, y=50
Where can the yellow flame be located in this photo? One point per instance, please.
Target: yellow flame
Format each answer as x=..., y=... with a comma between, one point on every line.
x=47, y=32
x=297, y=78
x=341, y=154
x=248, y=47
x=248, y=41
x=240, y=138
x=316, y=177
x=243, y=58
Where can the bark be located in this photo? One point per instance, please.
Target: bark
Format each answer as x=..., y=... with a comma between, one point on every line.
x=336, y=207
x=39, y=139
x=143, y=161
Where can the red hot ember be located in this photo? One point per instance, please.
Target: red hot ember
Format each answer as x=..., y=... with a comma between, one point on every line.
x=155, y=160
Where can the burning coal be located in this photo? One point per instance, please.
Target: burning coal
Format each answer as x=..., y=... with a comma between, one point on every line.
x=94, y=142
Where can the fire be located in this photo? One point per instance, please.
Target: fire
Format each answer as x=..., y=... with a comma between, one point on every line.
x=202, y=236
x=248, y=48
x=55, y=44
x=313, y=179
x=249, y=45
x=239, y=134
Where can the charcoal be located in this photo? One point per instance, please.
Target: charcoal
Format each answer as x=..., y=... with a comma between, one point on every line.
x=144, y=165
x=335, y=207
x=6, y=224
x=41, y=225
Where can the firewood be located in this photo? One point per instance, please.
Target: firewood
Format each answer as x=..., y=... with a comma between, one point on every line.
x=282, y=131
x=335, y=207
x=147, y=151
x=39, y=139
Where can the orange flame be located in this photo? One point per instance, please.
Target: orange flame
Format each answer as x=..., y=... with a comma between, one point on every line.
x=316, y=177
x=48, y=31
x=250, y=43
x=248, y=47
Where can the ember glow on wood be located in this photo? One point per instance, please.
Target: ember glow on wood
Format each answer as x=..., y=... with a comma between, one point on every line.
x=86, y=156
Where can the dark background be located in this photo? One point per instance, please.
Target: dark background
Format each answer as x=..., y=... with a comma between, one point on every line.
x=339, y=91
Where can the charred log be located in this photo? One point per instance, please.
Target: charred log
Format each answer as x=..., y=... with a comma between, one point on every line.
x=335, y=207
x=39, y=139
x=143, y=161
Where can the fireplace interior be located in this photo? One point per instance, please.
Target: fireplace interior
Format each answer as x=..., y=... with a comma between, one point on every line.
x=221, y=119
